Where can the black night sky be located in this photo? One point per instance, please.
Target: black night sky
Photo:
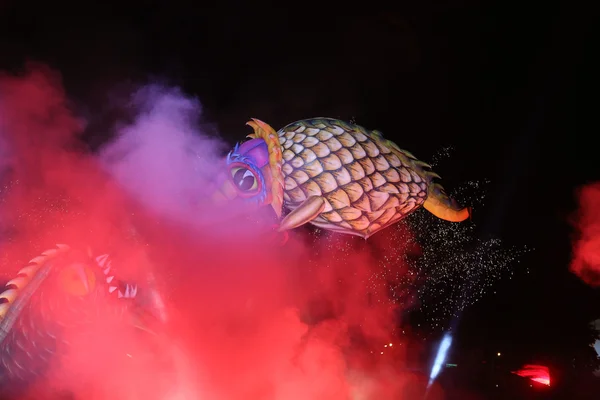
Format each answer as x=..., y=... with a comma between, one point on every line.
x=512, y=88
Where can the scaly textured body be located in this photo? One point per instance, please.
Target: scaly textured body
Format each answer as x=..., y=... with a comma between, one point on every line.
x=335, y=175
x=368, y=182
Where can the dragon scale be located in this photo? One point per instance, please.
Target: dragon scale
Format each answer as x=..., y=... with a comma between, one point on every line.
x=368, y=183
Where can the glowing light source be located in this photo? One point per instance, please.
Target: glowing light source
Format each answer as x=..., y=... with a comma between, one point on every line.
x=440, y=357
x=537, y=373
x=499, y=354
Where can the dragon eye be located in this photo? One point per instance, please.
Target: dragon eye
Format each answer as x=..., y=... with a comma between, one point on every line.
x=244, y=179
x=77, y=279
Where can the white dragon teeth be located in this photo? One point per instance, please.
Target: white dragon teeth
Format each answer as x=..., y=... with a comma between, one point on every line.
x=130, y=292
x=62, y=246
x=37, y=260
x=101, y=260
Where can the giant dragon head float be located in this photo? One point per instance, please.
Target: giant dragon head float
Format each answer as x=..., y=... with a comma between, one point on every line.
x=63, y=291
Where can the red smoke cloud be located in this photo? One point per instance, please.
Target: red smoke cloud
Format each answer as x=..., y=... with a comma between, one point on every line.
x=586, y=247
x=240, y=321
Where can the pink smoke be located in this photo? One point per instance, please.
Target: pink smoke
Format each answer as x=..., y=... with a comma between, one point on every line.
x=233, y=299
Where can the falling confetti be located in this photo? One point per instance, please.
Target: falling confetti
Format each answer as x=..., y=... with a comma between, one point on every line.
x=435, y=267
x=456, y=268
x=443, y=153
